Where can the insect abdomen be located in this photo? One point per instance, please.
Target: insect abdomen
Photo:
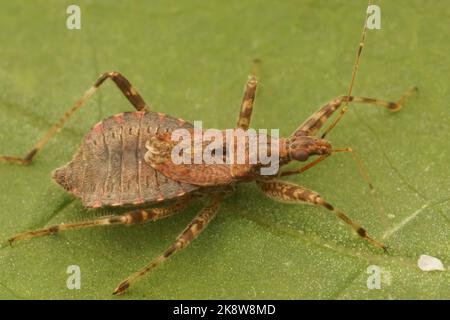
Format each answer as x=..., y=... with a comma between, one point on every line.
x=109, y=168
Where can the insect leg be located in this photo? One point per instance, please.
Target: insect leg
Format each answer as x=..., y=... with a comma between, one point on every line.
x=361, y=168
x=133, y=217
x=196, y=226
x=303, y=168
x=313, y=124
x=245, y=113
x=122, y=83
x=289, y=192
x=354, y=72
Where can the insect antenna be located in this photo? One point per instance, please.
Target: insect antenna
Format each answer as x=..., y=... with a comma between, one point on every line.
x=360, y=165
x=352, y=81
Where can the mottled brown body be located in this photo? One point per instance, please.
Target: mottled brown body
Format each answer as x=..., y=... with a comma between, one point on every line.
x=213, y=174
x=109, y=168
x=125, y=160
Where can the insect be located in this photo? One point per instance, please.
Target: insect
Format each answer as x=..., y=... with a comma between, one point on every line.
x=123, y=161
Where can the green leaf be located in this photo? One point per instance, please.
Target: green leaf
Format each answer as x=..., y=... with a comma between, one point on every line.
x=190, y=59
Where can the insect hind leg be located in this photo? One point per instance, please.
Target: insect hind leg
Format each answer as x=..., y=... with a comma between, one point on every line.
x=130, y=218
x=124, y=86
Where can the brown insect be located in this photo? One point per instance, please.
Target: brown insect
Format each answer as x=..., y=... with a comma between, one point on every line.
x=123, y=161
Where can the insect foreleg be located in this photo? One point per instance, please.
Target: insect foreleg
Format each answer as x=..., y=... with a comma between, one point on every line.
x=122, y=83
x=313, y=124
x=291, y=193
x=302, y=169
x=356, y=158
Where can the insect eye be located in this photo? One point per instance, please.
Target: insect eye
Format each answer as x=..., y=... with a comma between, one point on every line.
x=300, y=155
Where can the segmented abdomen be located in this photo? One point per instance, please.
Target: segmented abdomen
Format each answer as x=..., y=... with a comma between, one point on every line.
x=109, y=167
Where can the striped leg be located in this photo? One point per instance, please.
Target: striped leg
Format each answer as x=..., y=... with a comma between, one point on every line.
x=313, y=124
x=183, y=240
x=122, y=83
x=245, y=113
x=291, y=193
x=133, y=217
